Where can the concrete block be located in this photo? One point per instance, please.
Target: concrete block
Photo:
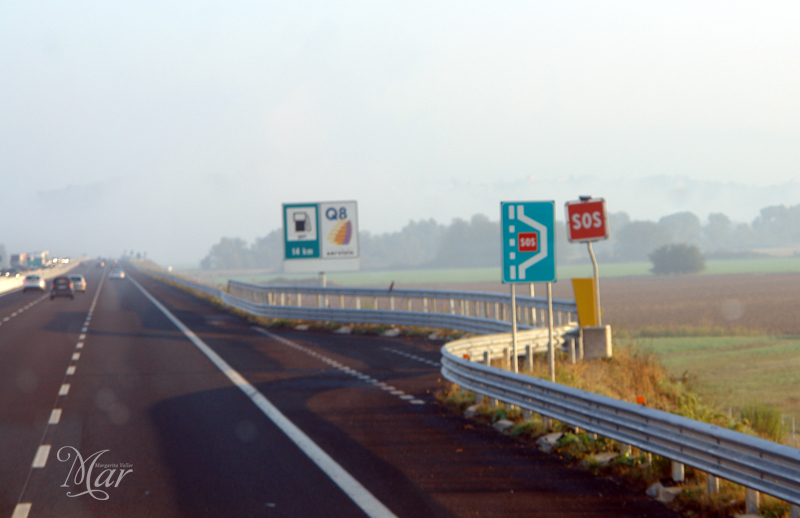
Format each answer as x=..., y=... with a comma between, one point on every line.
x=391, y=333
x=546, y=443
x=597, y=342
x=302, y=327
x=471, y=411
x=600, y=458
x=344, y=330
x=502, y=425
x=663, y=494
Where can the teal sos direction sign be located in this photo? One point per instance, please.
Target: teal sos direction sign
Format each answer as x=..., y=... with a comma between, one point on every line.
x=528, y=239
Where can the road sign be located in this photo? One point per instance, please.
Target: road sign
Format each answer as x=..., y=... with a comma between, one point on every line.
x=320, y=237
x=586, y=220
x=528, y=239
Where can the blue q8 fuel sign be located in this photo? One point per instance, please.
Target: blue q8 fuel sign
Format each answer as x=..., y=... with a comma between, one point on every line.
x=528, y=239
x=320, y=237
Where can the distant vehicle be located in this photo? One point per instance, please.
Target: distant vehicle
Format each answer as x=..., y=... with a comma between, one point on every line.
x=62, y=287
x=117, y=274
x=10, y=272
x=100, y=264
x=78, y=282
x=33, y=282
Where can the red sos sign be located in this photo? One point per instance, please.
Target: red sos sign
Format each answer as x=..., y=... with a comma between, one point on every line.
x=586, y=220
x=528, y=241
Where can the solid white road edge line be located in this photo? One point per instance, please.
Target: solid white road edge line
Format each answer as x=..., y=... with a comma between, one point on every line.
x=351, y=487
x=21, y=510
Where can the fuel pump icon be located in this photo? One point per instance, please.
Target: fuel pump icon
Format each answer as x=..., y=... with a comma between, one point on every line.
x=302, y=223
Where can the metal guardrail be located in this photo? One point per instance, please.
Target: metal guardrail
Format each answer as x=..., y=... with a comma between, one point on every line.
x=531, y=311
x=750, y=461
x=473, y=312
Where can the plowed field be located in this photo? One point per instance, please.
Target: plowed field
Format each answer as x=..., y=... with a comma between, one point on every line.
x=769, y=303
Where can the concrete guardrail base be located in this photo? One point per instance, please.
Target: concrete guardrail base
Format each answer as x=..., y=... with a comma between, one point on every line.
x=597, y=342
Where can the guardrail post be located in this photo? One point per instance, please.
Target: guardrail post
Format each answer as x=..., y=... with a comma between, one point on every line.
x=358, y=302
x=751, y=501
x=299, y=299
x=678, y=472
x=526, y=415
x=794, y=511
x=408, y=300
x=506, y=359
x=425, y=304
x=391, y=303
x=452, y=307
x=283, y=295
x=341, y=301
x=319, y=300
x=375, y=303
x=712, y=484
x=572, y=351
x=528, y=358
x=486, y=360
x=463, y=308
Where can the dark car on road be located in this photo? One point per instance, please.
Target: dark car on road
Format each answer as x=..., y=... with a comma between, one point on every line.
x=62, y=287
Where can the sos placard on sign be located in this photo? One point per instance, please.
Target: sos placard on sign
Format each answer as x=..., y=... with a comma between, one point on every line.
x=586, y=220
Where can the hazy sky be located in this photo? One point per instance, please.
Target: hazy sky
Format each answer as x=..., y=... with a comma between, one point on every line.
x=163, y=126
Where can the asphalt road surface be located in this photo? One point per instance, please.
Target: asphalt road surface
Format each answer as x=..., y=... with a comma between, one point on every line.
x=138, y=399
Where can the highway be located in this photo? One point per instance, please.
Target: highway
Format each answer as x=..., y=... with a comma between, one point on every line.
x=138, y=399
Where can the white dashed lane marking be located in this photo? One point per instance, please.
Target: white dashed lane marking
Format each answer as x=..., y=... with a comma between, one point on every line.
x=413, y=357
x=347, y=370
x=55, y=416
x=40, y=460
x=22, y=509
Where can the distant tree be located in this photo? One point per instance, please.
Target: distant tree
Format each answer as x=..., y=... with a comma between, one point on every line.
x=267, y=251
x=717, y=233
x=414, y=245
x=637, y=239
x=473, y=243
x=684, y=227
x=777, y=225
x=229, y=254
x=677, y=259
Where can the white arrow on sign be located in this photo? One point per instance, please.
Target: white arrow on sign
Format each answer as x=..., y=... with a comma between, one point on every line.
x=520, y=270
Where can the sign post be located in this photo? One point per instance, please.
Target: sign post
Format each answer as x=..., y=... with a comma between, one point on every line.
x=320, y=237
x=587, y=222
x=529, y=255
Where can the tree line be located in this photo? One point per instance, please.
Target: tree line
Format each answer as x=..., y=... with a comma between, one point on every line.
x=476, y=243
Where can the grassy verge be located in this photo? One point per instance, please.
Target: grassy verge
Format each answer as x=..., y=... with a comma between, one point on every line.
x=636, y=371
x=736, y=372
